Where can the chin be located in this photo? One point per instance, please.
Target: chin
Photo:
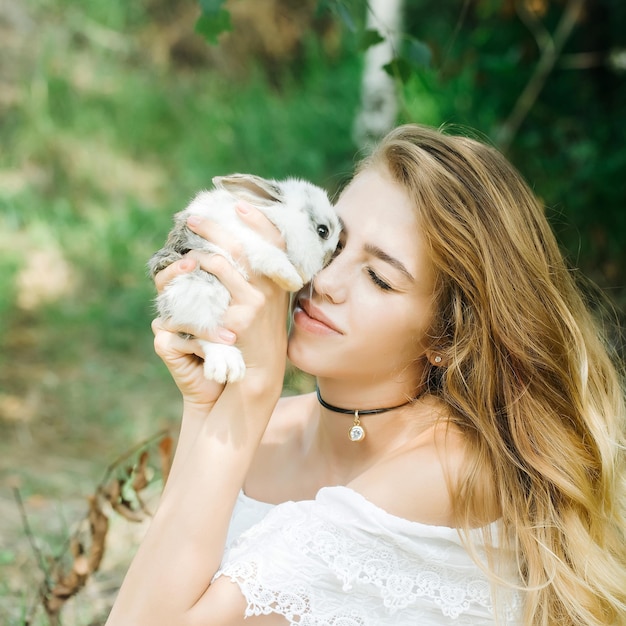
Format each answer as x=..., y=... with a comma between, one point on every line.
x=298, y=359
x=310, y=360
x=315, y=361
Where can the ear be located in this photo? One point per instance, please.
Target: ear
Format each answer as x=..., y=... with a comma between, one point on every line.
x=435, y=358
x=253, y=189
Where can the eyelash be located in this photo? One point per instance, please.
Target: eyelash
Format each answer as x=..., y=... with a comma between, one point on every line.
x=378, y=281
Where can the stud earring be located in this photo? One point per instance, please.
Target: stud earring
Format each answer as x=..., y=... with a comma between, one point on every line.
x=438, y=359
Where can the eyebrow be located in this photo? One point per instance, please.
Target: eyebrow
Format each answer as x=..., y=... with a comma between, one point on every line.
x=379, y=253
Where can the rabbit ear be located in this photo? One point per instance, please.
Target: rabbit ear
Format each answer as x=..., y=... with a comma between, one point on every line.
x=253, y=189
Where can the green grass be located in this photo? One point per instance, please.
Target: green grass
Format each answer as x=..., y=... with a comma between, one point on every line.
x=100, y=146
x=102, y=149
x=101, y=141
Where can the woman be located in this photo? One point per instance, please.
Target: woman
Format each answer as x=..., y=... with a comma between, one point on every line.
x=462, y=461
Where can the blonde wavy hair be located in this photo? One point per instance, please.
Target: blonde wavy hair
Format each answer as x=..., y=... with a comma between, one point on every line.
x=527, y=376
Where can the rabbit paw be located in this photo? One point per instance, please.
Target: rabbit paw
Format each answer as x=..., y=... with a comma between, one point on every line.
x=277, y=266
x=285, y=276
x=289, y=283
x=223, y=364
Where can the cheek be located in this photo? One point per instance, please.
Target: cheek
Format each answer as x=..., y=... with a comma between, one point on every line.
x=390, y=333
x=399, y=339
x=410, y=328
x=396, y=317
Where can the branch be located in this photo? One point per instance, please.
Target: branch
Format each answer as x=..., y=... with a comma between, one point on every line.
x=455, y=33
x=123, y=493
x=551, y=48
x=162, y=434
x=29, y=534
x=46, y=584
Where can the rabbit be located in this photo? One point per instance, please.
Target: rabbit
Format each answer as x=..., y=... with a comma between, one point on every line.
x=305, y=218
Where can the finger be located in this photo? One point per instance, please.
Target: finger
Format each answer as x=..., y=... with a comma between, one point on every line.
x=237, y=285
x=249, y=215
x=257, y=221
x=218, y=236
x=169, y=343
x=187, y=336
x=167, y=275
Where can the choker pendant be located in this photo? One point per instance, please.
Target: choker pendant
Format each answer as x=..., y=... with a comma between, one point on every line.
x=357, y=432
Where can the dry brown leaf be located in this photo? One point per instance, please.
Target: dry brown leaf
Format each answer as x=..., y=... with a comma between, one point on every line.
x=132, y=515
x=124, y=496
x=112, y=491
x=166, y=446
x=140, y=480
x=99, y=527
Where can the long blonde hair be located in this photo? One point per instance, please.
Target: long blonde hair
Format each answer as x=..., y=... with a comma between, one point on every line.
x=527, y=378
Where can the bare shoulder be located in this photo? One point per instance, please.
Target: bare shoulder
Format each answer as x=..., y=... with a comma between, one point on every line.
x=425, y=476
x=289, y=419
x=275, y=474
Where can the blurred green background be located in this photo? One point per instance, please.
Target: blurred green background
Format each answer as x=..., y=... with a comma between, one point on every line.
x=113, y=114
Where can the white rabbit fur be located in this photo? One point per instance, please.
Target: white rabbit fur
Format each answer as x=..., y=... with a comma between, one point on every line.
x=307, y=222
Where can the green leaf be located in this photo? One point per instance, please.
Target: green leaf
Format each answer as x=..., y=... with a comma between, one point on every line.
x=211, y=7
x=211, y=27
x=417, y=57
x=370, y=37
x=399, y=68
x=418, y=53
x=346, y=11
x=346, y=16
x=323, y=6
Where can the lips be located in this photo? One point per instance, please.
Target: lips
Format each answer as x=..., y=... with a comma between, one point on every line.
x=315, y=316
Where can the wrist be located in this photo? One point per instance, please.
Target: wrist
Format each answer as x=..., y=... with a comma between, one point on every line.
x=193, y=410
x=261, y=386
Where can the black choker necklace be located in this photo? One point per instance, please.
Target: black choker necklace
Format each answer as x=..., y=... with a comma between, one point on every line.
x=357, y=432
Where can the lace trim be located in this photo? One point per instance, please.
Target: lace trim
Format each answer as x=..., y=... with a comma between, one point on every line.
x=399, y=578
x=331, y=563
x=293, y=604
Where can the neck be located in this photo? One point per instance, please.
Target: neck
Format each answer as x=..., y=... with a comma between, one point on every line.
x=356, y=411
x=355, y=395
x=343, y=459
x=385, y=431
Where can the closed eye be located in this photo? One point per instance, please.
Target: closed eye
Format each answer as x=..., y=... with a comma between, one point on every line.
x=378, y=281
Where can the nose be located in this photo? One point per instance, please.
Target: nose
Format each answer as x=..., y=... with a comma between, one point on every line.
x=330, y=283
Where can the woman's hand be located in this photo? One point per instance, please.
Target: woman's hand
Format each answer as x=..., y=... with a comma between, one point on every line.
x=213, y=456
x=184, y=357
x=255, y=320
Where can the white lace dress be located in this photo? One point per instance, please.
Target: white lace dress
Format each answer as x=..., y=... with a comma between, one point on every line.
x=340, y=560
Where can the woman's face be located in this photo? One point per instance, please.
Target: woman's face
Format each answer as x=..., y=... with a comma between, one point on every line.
x=367, y=312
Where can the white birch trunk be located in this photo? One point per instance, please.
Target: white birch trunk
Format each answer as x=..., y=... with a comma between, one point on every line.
x=379, y=102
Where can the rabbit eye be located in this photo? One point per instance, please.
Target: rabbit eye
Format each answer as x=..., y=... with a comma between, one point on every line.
x=322, y=231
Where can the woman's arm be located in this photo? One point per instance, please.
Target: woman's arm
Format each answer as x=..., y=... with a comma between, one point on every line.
x=183, y=357
x=220, y=434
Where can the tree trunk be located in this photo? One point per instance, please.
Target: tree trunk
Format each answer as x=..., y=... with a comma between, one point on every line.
x=379, y=102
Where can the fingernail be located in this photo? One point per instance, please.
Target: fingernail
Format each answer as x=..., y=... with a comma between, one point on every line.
x=194, y=220
x=243, y=208
x=227, y=335
x=187, y=264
